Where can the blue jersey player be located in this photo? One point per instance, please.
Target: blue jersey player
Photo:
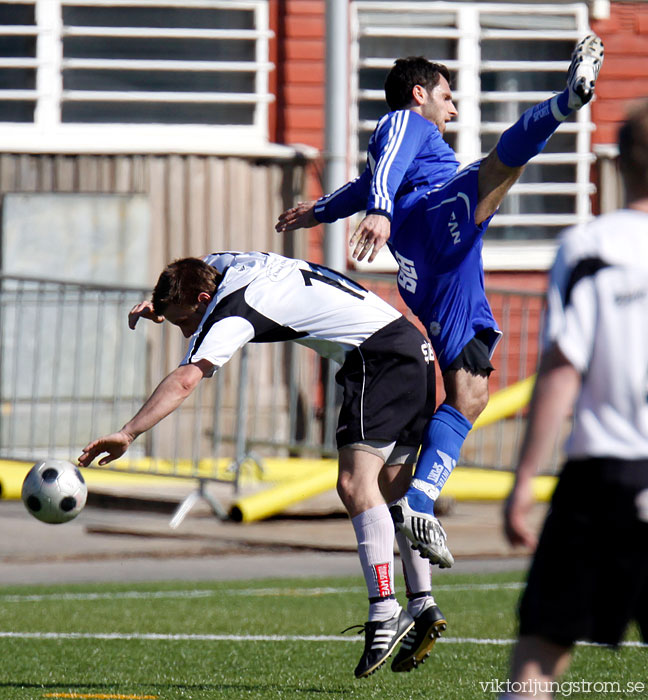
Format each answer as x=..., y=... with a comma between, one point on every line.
x=433, y=217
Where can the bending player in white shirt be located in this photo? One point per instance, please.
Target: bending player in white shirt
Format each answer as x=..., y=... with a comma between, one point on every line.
x=387, y=375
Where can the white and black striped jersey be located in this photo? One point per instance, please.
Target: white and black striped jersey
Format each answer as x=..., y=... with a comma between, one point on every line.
x=264, y=297
x=598, y=316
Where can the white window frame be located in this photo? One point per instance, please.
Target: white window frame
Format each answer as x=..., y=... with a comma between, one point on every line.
x=468, y=32
x=48, y=134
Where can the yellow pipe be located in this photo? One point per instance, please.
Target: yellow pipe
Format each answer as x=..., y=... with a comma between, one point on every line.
x=485, y=485
x=274, y=500
x=321, y=475
x=470, y=484
x=464, y=484
x=12, y=475
x=506, y=402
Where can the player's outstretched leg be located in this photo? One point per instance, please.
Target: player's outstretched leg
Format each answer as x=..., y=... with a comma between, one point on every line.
x=424, y=531
x=381, y=638
x=429, y=624
x=528, y=136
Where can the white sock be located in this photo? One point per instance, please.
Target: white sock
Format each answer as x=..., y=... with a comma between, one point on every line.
x=415, y=606
x=416, y=568
x=374, y=531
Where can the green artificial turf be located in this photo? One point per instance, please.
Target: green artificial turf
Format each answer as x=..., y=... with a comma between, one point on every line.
x=228, y=662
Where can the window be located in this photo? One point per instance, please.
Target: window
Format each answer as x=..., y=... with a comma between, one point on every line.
x=132, y=74
x=504, y=57
x=17, y=62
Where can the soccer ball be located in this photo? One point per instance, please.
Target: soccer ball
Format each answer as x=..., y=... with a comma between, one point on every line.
x=54, y=491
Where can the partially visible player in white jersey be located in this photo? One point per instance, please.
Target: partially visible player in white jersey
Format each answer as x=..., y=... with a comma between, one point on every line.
x=226, y=300
x=589, y=575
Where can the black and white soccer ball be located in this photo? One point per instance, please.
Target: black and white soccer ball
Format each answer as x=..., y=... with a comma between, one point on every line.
x=54, y=491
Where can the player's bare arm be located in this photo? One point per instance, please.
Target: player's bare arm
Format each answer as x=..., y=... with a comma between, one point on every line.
x=168, y=395
x=300, y=216
x=143, y=310
x=553, y=397
x=370, y=236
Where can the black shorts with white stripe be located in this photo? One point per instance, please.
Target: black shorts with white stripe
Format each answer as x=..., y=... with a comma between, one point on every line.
x=389, y=387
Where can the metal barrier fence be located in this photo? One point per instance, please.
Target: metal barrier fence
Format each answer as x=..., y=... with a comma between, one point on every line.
x=71, y=370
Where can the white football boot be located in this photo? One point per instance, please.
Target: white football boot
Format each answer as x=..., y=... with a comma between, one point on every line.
x=586, y=62
x=424, y=531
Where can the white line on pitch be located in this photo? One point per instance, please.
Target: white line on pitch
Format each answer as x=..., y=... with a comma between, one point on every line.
x=251, y=638
x=249, y=592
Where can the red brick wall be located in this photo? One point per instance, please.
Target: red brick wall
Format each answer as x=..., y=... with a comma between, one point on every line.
x=624, y=76
x=297, y=116
x=299, y=27
x=298, y=52
x=520, y=316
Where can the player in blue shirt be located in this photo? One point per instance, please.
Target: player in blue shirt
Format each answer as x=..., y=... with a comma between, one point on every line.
x=433, y=217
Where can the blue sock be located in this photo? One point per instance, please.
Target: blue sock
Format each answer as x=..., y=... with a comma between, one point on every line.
x=528, y=136
x=444, y=437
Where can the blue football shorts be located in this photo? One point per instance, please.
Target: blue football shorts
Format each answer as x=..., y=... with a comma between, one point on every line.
x=438, y=249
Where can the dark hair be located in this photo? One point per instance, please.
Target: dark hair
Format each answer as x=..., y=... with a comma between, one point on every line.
x=408, y=72
x=182, y=281
x=633, y=148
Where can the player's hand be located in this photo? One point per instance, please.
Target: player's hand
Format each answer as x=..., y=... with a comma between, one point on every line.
x=370, y=236
x=143, y=310
x=115, y=445
x=300, y=216
x=516, y=512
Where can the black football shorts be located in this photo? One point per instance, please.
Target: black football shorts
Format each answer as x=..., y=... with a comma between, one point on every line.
x=389, y=387
x=589, y=575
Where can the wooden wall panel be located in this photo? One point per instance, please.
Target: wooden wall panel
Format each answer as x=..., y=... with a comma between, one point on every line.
x=198, y=204
x=46, y=173
x=197, y=210
x=160, y=254
x=214, y=204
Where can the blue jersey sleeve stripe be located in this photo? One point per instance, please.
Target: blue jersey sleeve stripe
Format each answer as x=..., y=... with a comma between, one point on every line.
x=392, y=150
x=376, y=184
x=379, y=174
x=397, y=131
x=323, y=201
x=395, y=139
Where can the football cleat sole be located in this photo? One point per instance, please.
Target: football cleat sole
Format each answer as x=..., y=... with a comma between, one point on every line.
x=586, y=62
x=418, y=644
x=424, y=532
